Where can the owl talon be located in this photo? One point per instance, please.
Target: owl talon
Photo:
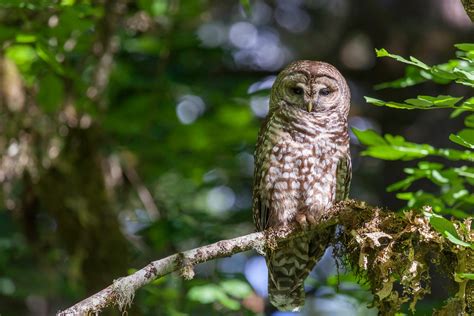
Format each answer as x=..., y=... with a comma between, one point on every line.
x=305, y=220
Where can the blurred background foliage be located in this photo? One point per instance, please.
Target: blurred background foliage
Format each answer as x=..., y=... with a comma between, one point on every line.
x=127, y=130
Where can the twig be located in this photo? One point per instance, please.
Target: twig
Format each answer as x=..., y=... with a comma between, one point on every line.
x=144, y=194
x=122, y=291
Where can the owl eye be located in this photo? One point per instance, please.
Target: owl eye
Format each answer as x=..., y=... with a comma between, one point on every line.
x=297, y=90
x=324, y=91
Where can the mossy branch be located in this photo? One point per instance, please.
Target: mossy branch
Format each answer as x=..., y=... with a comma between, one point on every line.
x=384, y=246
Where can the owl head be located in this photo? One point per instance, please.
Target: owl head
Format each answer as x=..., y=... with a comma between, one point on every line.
x=311, y=86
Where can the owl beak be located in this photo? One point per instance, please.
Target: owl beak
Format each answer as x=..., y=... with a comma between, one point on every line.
x=310, y=106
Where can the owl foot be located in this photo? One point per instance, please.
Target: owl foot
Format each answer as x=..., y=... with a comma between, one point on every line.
x=305, y=219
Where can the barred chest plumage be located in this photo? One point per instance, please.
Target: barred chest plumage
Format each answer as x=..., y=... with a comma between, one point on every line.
x=300, y=171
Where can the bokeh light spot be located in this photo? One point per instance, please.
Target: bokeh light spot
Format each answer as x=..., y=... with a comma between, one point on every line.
x=189, y=108
x=220, y=199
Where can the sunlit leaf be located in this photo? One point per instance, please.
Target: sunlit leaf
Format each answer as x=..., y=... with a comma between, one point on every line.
x=423, y=102
x=464, y=138
x=455, y=240
x=391, y=147
x=369, y=137
x=205, y=294
x=236, y=288
x=67, y=2
x=457, y=70
x=212, y=293
x=441, y=224
x=22, y=55
x=413, y=61
x=25, y=38
x=469, y=276
x=401, y=185
x=465, y=46
x=428, y=165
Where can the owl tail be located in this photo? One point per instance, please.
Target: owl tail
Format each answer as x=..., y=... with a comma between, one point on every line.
x=288, y=267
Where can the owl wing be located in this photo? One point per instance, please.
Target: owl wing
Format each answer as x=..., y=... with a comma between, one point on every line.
x=261, y=203
x=343, y=177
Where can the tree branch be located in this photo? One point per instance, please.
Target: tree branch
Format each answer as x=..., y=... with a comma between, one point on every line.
x=381, y=245
x=121, y=292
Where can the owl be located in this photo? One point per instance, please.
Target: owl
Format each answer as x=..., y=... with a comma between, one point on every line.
x=302, y=167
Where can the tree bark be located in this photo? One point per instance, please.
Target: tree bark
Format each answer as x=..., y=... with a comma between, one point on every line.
x=380, y=245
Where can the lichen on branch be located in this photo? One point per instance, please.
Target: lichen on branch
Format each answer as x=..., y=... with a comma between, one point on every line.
x=383, y=247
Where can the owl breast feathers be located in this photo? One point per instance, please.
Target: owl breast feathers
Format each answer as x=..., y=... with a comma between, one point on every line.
x=302, y=167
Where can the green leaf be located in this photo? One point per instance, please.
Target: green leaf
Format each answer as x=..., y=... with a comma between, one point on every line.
x=465, y=46
x=469, y=103
x=236, y=288
x=229, y=303
x=464, y=138
x=412, y=77
x=465, y=171
x=446, y=228
x=457, y=241
x=405, y=196
x=391, y=147
x=419, y=102
x=67, y=2
x=441, y=224
x=25, y=38
x=211, y=293
x=469, y=276
x=469, y=121
x=468, y=75
x=453, y=154
x=428, y=165
x=441, y=100
x=51, y=93
x=457, y=70
x=374, y=101
x=419, y=63
x=22, y=55
x=438, y=177
x=413, y=61
x=424, y=102
x=205, y=294
x=401, y=185
x=246, y=6
x=45, y=54
x=369, y=137
x=384, y=152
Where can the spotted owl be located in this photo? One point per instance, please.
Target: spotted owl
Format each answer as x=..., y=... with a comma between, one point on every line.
x=302, y=167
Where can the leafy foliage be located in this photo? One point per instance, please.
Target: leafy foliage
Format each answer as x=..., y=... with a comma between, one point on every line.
x=454, y=180
x=455, y=184
x=459, y=70
x=224, y=293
